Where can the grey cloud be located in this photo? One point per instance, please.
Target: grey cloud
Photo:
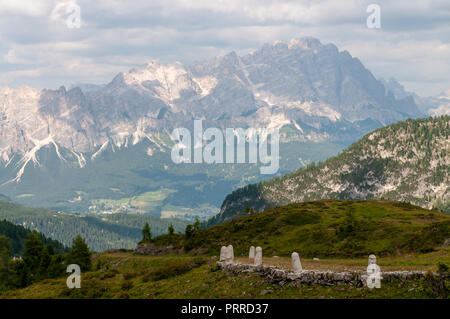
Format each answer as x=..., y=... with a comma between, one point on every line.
x=118, y=35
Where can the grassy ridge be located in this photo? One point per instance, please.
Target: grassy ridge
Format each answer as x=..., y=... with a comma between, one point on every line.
x=327, y=228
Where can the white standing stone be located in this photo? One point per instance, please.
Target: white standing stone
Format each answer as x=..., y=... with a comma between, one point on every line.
x=223, y=253
x=251, y=253
x=230, y=254
x=258, y=256
x=296, y=264
x=373, y=273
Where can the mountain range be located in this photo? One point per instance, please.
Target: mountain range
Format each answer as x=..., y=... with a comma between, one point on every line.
x=431, y=105
x=106, y=148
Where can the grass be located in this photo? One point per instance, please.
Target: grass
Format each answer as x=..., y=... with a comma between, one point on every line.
x=328, y=228
x=123, y=275
x=151, y=200
x=147, y=201
x=425, y=262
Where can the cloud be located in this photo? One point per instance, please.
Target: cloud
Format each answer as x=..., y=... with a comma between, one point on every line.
x=37, y=48
x=26, y=8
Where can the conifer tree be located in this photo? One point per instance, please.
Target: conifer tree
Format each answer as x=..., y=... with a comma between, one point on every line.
x=32, y=257
x=45, y=263
x=146, y=234
x=5, y=263
x=197, y=224
x=189, y=231
x=80, y=254
x=171, y=230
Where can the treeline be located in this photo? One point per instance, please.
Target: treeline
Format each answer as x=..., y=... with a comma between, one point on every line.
x=18, y=234
x=186, y=240
x=39, y=261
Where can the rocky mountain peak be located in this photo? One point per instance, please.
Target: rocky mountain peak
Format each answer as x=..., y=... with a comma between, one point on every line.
x=305, y=43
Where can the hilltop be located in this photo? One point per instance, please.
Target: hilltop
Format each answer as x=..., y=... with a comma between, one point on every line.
x=325, y=228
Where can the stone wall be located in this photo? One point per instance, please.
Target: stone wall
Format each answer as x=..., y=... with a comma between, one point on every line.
x=152, y=250
x=318, y=277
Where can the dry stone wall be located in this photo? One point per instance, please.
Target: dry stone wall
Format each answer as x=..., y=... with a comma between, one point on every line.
x=318, y=277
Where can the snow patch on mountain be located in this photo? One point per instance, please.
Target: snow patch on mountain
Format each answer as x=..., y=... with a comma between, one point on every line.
x=206, y=83
x=30, y=156
x=100, y=150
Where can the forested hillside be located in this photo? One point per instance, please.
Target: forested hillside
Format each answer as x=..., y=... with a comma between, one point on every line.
x=100, y=231
x=18, y=234
x=407, y=161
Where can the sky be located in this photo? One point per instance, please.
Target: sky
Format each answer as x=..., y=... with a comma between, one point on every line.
x=39, y=49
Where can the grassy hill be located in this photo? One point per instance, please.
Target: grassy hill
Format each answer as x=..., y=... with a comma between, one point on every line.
x=100, y=231
x=407, y=161
x=327, y=228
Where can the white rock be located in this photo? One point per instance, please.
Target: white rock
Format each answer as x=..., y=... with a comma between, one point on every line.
x=296, y=264
x=251, y=253
x=258, y=256
x=230, y=254
x=223, y=253
x=373, y=273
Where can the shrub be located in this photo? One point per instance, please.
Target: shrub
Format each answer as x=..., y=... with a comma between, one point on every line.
x=300, y=218
x=437, y=285
x=111, y=273
x=129, y=275
x=173, y=269
x=123, y=295
x=215, y=268
x=442, y=268
x=127, y=285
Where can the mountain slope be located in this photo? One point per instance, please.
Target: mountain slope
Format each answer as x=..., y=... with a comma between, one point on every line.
x=18, y=234
x=321, y=98
x=407, y=161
